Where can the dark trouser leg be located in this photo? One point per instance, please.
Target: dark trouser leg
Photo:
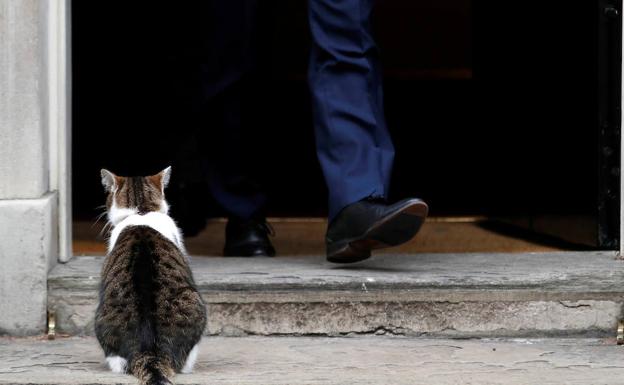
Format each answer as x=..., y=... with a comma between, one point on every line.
x=231, y=165
x=353, y=144
x=226, y=72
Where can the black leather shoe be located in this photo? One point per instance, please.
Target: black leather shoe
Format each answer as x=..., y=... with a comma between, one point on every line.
x=248, y=238
x=372, y=224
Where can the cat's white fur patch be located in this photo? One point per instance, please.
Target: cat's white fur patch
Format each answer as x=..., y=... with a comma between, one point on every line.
x=118, y=214
x=164, y=207
x=117, y=364
x=190, y=360
x=157, y=221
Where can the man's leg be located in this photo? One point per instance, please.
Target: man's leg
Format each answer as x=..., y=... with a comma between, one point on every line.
x=231, y=165
x=353, y=144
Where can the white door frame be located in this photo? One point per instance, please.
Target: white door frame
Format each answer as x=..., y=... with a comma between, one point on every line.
x=59, y=107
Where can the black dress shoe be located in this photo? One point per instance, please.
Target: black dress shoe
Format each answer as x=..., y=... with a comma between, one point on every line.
x=248, y=238
x=372, y=224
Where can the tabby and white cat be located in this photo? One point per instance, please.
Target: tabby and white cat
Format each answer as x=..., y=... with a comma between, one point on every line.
x=150, y=317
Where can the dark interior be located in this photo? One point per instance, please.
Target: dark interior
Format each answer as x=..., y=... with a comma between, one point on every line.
x=493, y=108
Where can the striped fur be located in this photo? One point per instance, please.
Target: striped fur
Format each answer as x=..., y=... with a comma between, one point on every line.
x=150, y=317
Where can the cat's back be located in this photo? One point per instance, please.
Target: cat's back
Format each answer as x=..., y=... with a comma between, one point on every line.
x=146, y=276
x=142, y=253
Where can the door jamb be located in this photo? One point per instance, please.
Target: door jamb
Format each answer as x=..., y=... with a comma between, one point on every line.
x=59, y=117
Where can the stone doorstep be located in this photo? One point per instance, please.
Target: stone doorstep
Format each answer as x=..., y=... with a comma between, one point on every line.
x=322, y=360
x=452, y=295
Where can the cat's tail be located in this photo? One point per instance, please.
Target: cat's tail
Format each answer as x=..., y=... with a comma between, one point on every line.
x=152, y=370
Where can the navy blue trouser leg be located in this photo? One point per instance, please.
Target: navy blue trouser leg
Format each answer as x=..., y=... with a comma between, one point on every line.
x=230, y=163
x=353, y=144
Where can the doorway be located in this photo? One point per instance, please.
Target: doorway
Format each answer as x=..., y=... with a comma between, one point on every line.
x=505, y=120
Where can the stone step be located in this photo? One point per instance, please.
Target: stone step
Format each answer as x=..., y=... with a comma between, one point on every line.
x=322, y=360
x=447, y=295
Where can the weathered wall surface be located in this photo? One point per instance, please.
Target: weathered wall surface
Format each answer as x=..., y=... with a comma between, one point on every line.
x=23, y=99
x=28, y=209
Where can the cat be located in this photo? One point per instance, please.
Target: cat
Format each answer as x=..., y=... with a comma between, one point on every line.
x=150, y=316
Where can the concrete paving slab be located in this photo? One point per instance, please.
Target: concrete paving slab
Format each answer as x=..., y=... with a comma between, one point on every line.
x=361, y=360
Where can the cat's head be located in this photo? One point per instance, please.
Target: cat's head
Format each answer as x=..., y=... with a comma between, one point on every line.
x=135, y=195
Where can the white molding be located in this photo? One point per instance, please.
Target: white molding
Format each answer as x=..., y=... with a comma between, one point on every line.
x=59, y=107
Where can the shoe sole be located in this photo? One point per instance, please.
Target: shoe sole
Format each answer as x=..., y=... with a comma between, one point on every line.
x=392, y=230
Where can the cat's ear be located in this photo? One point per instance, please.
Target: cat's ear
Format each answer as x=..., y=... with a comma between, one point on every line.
x=166, y=174
x=161, y=180
x=108, y=180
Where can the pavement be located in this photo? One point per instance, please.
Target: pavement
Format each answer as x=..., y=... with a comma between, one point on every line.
x=324, y=360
